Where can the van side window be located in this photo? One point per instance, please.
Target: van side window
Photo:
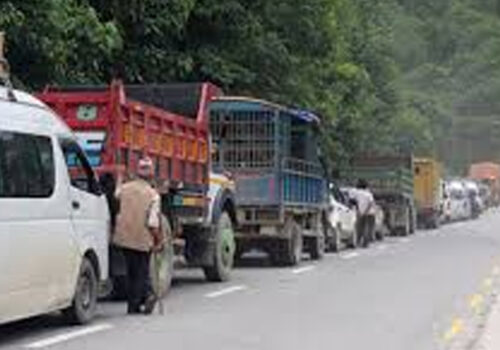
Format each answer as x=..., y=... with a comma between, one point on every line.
x=79, y=170
x=26, y=166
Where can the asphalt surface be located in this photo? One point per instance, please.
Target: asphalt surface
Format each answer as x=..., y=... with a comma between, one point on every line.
x=399, y=294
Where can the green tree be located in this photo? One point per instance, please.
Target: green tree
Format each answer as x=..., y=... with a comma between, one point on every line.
x=56, y=41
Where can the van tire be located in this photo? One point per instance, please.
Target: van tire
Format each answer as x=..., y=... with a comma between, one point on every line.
x=84, y=304
x=223, y=252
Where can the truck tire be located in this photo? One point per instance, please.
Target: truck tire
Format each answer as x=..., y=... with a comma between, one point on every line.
x=406, y=230
x=317, y=245
x=223, y=252
x=434, y=221
x=84, y=304
x=414, y=220
x=289, y=252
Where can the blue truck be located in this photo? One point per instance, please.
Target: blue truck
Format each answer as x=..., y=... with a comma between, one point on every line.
x=281, y=189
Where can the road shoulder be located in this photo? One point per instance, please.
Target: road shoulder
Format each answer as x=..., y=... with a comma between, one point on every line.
x=491, y=336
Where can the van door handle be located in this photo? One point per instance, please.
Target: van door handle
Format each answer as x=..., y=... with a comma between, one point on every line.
x=75, y=205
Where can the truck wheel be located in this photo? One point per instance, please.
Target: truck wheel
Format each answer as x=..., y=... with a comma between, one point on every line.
x=434, y=221
x=84, y=304
x=223, y=258
x=317, y=246
x=406, y=229
x=289, y=252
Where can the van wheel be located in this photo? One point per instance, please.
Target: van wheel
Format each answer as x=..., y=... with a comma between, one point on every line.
x=223, y=255
x=84, y=304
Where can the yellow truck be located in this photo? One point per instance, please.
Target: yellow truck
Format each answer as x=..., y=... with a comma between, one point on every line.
x=427, y=191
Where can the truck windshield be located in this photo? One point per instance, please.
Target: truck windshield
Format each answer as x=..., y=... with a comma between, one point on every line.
x=92, y=143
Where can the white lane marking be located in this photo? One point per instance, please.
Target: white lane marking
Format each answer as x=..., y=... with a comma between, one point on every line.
x=300, y=270
x=351, y=255
x=225, y=291
x=382, y=247
x=404, y=240
x=68, y=336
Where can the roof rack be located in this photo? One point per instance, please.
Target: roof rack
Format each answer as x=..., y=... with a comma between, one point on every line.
x=5, y=70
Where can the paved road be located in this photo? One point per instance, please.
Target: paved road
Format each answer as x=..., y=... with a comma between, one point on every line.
x=400, y=294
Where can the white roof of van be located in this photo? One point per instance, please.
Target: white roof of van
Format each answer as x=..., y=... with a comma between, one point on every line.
x=41, y=116
x=21, y=97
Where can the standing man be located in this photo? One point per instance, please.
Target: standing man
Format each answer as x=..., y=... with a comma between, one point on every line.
x=366, y=213
x=137, y=233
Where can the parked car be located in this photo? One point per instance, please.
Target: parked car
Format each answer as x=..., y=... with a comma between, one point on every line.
x=460, y=207
x=54, y=221
x=342, y=220
x=476, y=202
x=486, y=195
x=446, y=210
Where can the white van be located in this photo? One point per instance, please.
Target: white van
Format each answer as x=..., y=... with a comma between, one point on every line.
x=53, y=219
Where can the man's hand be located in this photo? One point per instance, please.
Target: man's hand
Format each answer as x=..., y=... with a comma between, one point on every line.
x=158, y=240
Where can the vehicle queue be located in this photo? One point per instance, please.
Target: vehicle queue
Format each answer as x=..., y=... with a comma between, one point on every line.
x=264, y=188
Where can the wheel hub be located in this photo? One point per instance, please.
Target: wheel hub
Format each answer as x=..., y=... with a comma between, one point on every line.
x=228, y=245
x=86, y=291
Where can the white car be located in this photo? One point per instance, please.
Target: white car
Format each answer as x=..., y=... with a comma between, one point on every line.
x=460, y=206
x=445, y=203
x=342, y=221
x=380, y=228
x=54, y=222
x=473, y=193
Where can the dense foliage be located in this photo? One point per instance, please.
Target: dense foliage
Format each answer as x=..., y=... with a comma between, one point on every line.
x=386, y=75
